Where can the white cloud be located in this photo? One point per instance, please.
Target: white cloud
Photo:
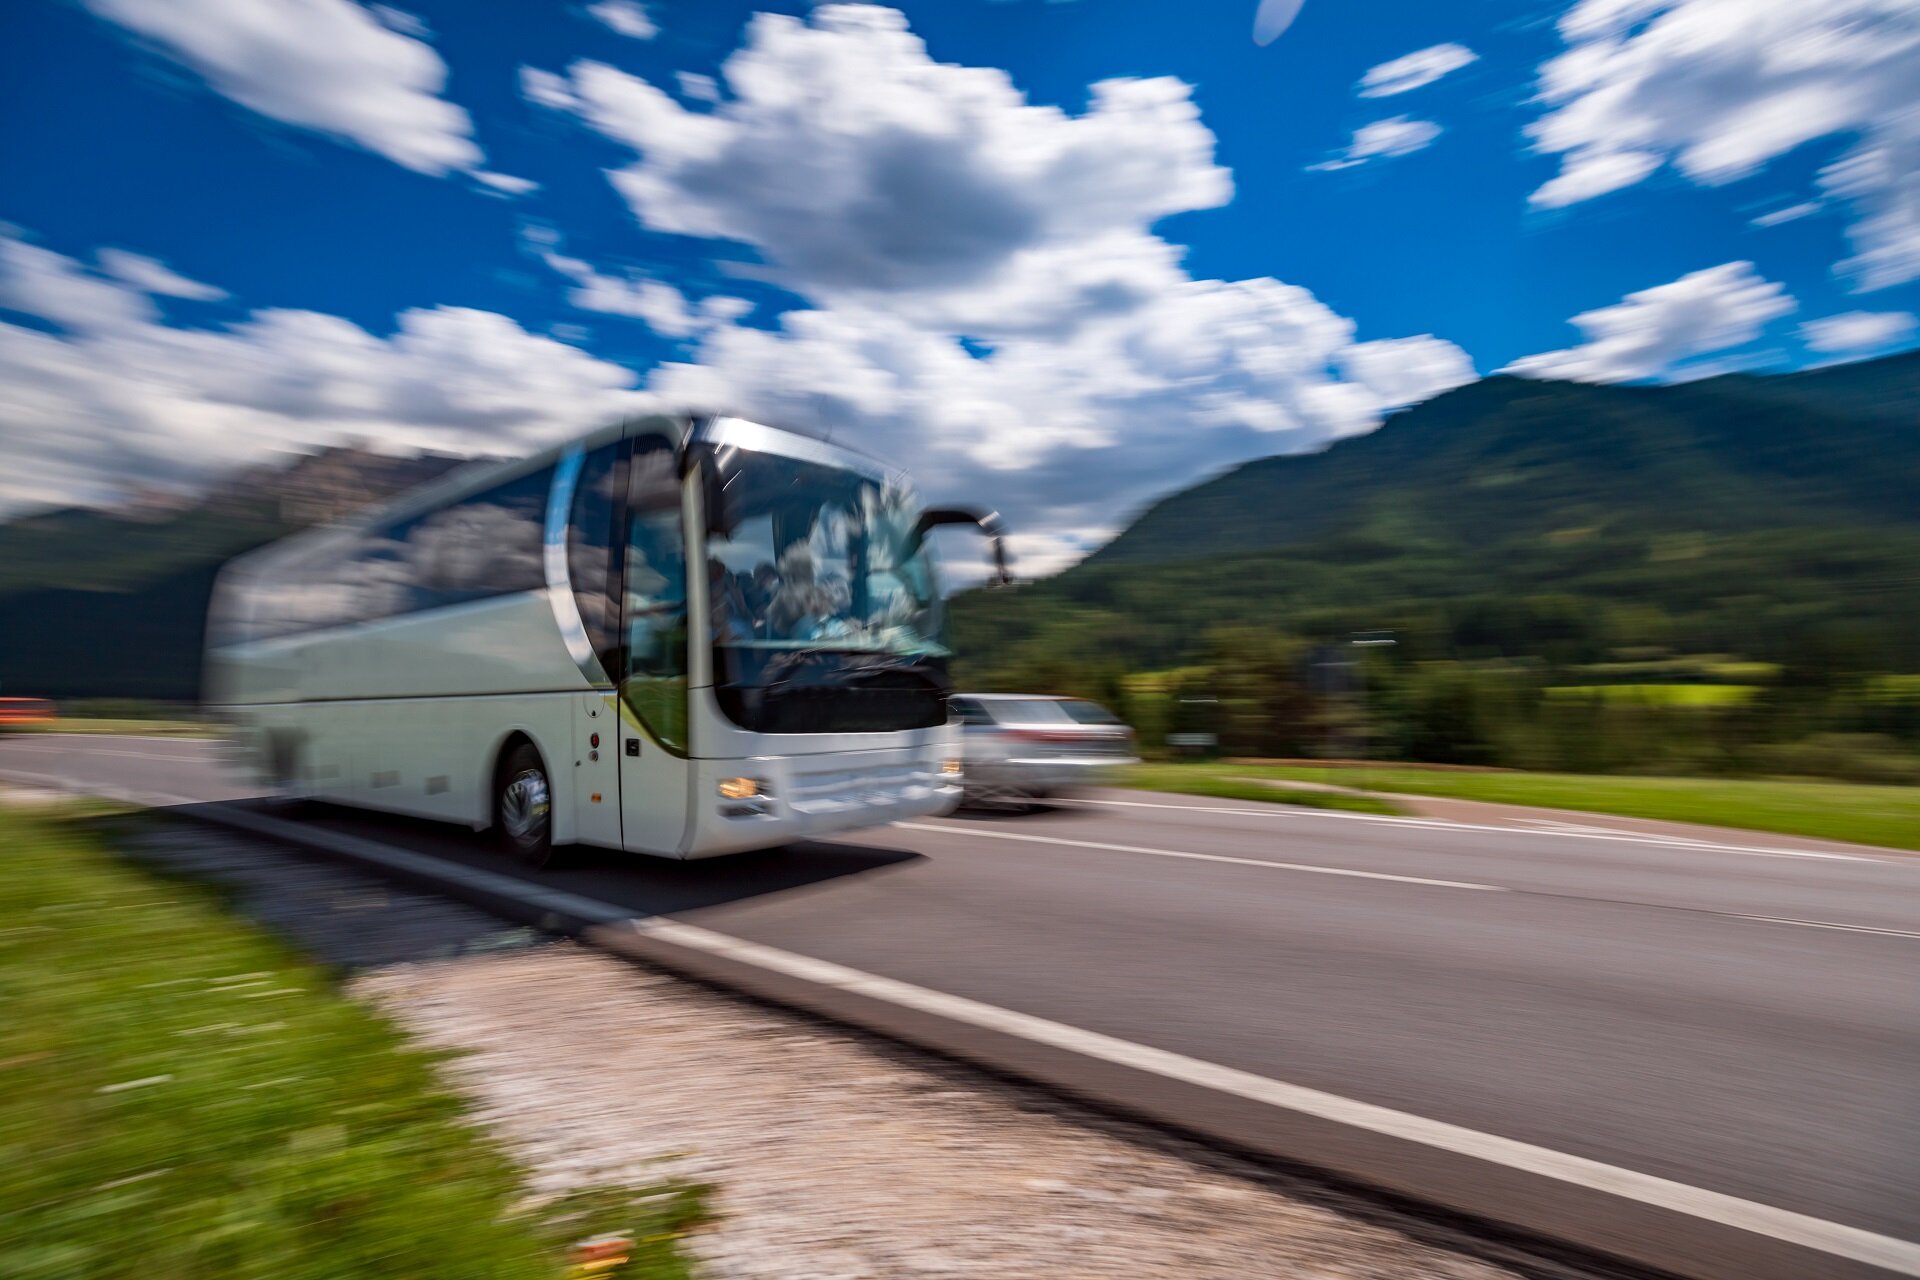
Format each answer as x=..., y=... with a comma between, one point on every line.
x=326, y=65
x=505, y=183
x=626, y=17
x=1858, y=332
x=1719, y=88
x=913, y=203
x=1272, y=19
x=1072, y=431
x=1395, y=136
x=1403, y=371
x=1583, y=177
x=1651, y=333
x=1882, y=178
x=149, y=275
x=664, y=308
x=1415, y=70
x=698, y=87
x=860, y=168
x=1791, y=213
x=407, y=24
x=985, y=300
x=546, y=89
x=116, y=398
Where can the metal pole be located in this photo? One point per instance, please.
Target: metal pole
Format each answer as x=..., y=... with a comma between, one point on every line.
x=1366, y=640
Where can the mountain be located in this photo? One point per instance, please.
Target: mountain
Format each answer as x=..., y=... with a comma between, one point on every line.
x=1505, y=461
x=154, y=535
x=1773, y=517
x=113, y=603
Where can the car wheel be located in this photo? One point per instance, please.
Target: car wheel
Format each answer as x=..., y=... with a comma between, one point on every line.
x=523, y=807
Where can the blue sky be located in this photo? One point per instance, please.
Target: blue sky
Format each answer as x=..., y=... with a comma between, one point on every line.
x=1064, y=311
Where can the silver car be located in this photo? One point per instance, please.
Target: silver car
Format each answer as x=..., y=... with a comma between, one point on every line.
x=1018, y=746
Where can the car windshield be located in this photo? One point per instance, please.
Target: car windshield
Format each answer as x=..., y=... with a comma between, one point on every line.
x=1026, y=711
x=1088, y=712
x=806, y=556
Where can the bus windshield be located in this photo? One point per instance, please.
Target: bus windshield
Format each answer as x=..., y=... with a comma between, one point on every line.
x=823, y=611
x=803, y=556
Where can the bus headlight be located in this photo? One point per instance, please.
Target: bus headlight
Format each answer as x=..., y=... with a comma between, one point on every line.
x=739, y=788
x=950, y=768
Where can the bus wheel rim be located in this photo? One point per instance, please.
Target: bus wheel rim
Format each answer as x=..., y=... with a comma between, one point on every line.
x=524, y=805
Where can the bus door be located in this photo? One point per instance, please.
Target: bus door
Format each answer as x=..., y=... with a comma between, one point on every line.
x=652, y=653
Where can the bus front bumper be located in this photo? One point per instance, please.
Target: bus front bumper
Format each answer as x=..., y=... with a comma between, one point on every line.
x=801, y=797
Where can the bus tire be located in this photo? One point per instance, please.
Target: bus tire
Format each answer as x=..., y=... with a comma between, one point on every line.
x=523, y=807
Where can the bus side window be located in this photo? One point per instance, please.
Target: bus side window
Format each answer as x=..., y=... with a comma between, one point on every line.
x=488, y=544
x=590, y=535
x=655, y=599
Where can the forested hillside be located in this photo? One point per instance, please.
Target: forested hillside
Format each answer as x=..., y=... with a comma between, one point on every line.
x=112, y=604
x=1519, y=538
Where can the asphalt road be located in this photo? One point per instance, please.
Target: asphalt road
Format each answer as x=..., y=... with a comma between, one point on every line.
x=1743, y=1017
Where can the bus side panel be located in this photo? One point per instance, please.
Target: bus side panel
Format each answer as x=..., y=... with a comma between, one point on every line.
x=408, y=714
x=435, y=757
x=595, y=782
x=501, y=645
x=327, y=746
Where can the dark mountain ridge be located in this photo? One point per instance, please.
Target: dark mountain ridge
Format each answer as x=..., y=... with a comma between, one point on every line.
x=1564, y=527
x=1506, y=459
x=113, y=603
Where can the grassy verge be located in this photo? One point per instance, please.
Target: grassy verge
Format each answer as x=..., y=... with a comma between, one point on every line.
x=180, y=1096
x=1660, y=695
x=1233, y=783
x=1887, y=816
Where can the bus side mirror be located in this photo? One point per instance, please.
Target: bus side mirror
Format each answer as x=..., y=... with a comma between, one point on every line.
x=988, y=523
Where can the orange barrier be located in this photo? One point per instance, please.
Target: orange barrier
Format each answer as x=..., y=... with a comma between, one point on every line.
x=15, y=712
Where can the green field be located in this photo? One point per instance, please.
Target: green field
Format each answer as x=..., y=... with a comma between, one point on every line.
x=180, y=1096
x=1887, y=816
x=1660, y=695
x=1238, y=783
x=1900, y=690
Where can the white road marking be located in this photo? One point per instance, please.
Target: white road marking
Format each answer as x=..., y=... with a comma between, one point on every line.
x=170, y=739
x=1371, y=875
x=106, y=743
x=1825, y=924
x=1554, y=824
x=1203, y=857
x=1902, y=1257
x=105, y=791
x=1297, y=812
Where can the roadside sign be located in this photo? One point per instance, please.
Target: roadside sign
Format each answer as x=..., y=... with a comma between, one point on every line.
x=1193, y=739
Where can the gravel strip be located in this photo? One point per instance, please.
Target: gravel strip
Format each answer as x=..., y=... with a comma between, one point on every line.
x=839, y=1157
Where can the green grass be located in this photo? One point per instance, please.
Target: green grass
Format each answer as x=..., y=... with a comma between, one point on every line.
x=1876, y=815
x=182, y=1097
x=1902, y=690
x=1661, y=695
x=1233, y=783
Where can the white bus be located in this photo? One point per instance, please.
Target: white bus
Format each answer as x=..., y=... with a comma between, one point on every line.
x=678, y=636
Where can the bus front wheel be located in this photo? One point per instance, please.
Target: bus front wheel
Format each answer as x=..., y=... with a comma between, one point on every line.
x=523, y=807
